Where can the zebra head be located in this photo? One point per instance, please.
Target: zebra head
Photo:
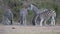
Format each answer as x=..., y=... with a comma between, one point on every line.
x=31, y=6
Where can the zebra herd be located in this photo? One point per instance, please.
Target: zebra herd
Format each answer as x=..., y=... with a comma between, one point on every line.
x=44, y=15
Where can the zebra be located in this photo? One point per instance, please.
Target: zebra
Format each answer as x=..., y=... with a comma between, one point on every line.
x=42, y=15
x=46, y=16
x=23, y=14
x=7, y=15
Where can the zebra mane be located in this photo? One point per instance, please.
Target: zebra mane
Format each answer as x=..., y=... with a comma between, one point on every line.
x=35, y=5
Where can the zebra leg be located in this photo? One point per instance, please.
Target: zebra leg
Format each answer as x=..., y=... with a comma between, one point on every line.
x=41, y=21
x=3, y=20
x=52, y=21
x=25, y=20
x=33, y=20
x=36, y=20
x=45, y=22
x=21, y=20
x=7, y=22
x=11, y=22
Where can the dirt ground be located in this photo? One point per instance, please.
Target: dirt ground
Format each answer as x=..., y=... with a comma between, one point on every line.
x=17, y=29
x=21, y=29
